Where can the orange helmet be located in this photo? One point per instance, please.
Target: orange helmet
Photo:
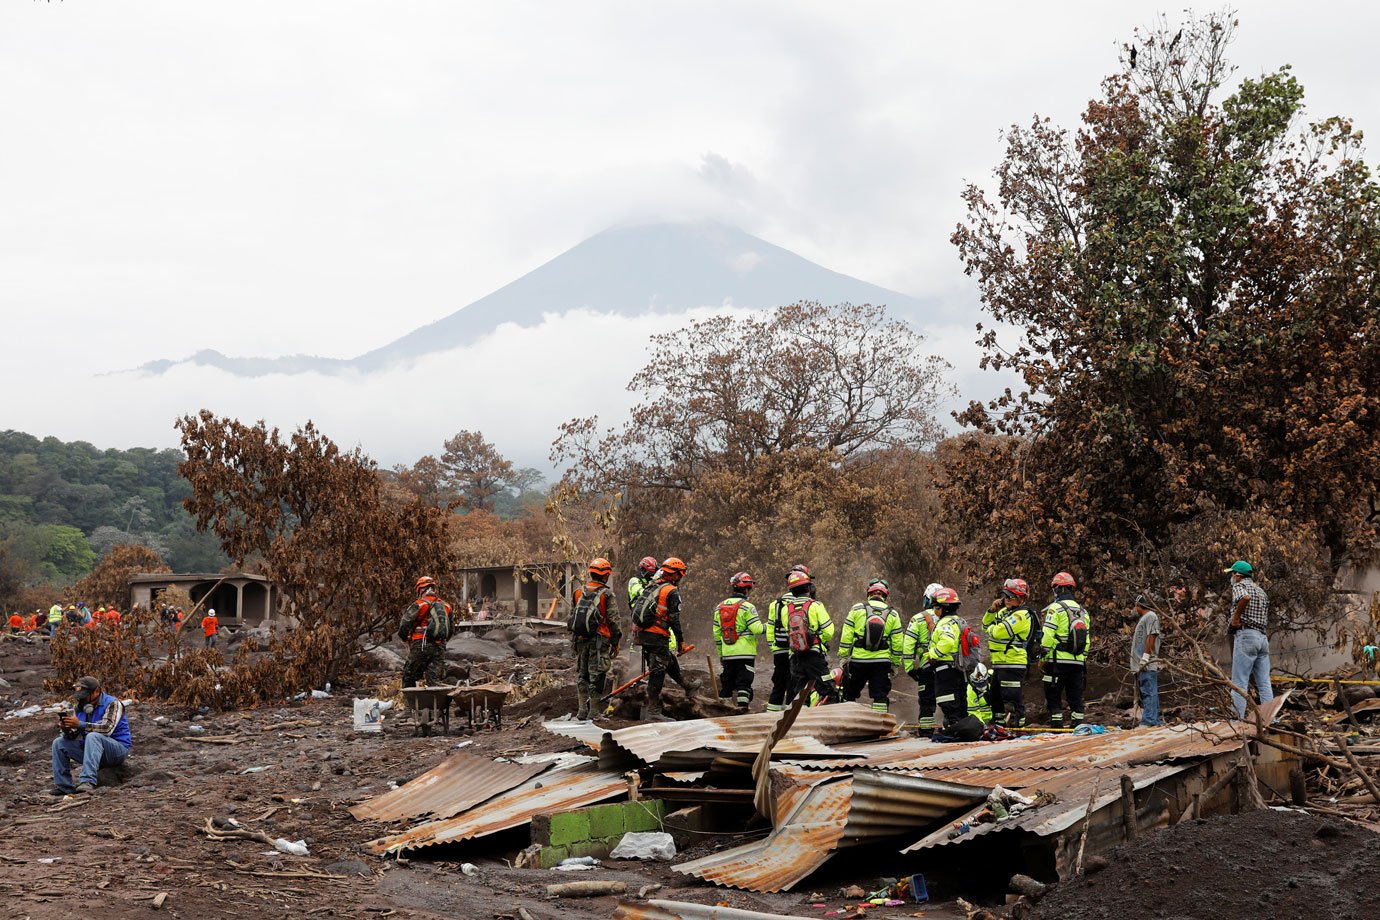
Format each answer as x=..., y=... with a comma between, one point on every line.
x=796, y=579
x=674, y=566
x=601, y=566
x=1063, y=580
x=426, y=581
x=946, y=597
x=742, y=581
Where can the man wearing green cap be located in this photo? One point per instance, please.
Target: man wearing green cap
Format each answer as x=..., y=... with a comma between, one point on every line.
x=1250, y=646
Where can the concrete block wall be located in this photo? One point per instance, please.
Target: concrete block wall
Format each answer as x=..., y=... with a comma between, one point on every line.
x=592, y=831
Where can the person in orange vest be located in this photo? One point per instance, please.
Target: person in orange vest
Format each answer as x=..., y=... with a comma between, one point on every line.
x=16, y=623
x=209, y=626
x=594, y=635
x=31, y=624
x=112, y=616
x=425, y=627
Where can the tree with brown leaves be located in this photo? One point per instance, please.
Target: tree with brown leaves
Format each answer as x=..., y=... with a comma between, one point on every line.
x=108, y=582
x=319, y=522
x=1192, y=282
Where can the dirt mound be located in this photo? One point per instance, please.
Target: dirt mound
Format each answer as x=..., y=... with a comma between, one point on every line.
x=1278, y=864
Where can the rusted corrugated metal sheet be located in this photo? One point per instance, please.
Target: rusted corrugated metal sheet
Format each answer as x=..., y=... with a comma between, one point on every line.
x=558, y=790
x=1073, y=790
x=584, y=732
x=802, y=844
x=459, y=782
x=1113, y=750
x=687, y=745
x=683, y=910
x=889, y=804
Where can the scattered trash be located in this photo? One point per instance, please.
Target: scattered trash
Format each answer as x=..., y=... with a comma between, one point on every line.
x=959, y=829
x=458, y=745
x=918, y=892
x=195, y=729
x=576, y=864
x=469, y=869
x=1087, y=729
x=650, y=845
x=23, y=713
x=49, y=860
x=368, y=715
x=321, y=694
x=247, y=770
x=298, y=848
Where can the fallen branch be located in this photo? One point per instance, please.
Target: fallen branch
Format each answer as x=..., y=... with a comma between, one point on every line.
x=214, y=739
x=233, y=833
x=586, y=889
x=1360, y=770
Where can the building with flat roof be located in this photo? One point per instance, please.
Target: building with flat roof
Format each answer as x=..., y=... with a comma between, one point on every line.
x=239, y=597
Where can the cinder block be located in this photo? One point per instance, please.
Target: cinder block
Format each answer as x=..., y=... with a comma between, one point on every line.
x=551, y=856
x=569, y=827
x=607, y=820
x=643, y=816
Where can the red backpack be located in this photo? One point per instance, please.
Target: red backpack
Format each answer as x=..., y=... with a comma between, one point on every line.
x=798, y=624
x=728, y=621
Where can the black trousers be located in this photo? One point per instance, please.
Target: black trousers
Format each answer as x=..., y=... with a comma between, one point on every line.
x=951, y=692
x=875, y=674
x=812, y=665
x=1006, y=695
x=924, y=679
x=658, y=661
x=1065, y=681
x=780, y=681
x=736, y=680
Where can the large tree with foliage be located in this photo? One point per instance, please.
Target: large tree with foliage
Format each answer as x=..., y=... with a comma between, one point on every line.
x=764, y=440
x=1192, y=278
x=316, y=519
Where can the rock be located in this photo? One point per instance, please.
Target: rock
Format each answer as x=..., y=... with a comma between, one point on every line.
x=457, y=672
x=468, y=649
x=499, y=634
x=1327, y=831
x=529, y=647
x=1356, y=695
x=349, y=867
x=116, y=776
x=1094, y=864
x=386, y=658
x=524, y=631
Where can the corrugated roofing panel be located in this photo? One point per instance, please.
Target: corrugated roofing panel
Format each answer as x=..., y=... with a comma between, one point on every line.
x=1073, y=789
x=805, y=842
x=889, y=804
x=822, y=725
x=558, y=790
x=459, y=782
x=584, y=732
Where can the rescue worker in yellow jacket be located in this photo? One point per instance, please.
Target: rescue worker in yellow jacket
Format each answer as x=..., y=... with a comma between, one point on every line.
x=1009, y=626
x=779, y=643
x=870, y=647
x=736, y=628
x=915, y=651
x=979, y=694
x=809, y=630
x=945, y=656
x=1067, y=635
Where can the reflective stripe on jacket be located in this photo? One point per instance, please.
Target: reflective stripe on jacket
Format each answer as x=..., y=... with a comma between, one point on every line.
x=747, y=625
x=1059, y=617
x=855, y=629
x=1008, y=631
x=915, y=645
x=944, y=644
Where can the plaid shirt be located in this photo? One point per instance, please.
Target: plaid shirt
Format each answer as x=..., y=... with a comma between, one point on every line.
x=1257, y=613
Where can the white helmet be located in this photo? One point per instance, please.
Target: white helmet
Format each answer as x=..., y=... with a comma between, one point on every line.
x=979, y=675
x=930, y=590
x=210, y=612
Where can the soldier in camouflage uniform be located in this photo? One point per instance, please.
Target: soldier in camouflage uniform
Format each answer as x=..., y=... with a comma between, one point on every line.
x=425, y=657
x=595, y=636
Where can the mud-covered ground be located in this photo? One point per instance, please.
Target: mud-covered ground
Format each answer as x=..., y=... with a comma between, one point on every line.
x=123, y=846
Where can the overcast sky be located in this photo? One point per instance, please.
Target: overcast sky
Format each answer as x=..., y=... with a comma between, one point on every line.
x=274, y=178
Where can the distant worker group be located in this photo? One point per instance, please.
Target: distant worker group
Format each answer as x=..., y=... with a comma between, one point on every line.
x=936, y=647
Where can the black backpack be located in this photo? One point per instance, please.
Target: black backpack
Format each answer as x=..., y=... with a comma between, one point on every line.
x=586, y=618
x=1036, y=638
x=645, y=610
x=437, y=622
x=873, y=636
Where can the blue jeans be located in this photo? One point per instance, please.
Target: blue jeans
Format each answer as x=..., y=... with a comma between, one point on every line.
x=94, y=752
x=1149, y=683
x=1250, y=661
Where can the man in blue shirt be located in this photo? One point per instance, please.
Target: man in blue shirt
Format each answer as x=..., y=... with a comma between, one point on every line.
x=96, y=735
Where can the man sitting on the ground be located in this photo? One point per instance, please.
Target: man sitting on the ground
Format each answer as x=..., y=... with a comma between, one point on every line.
x=95, y=736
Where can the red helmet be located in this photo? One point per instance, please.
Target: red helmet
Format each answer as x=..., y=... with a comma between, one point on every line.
x=600, y=566
x=648, y=565
x=674, y=565
x=878, y=586
x=801, y=567
x=1016, y=587
x=796, y=579
x=426, y=581
x=1063, y=580
x=742, y=581
x=946, y=597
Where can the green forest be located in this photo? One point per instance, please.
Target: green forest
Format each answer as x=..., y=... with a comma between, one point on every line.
x=63, y=505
